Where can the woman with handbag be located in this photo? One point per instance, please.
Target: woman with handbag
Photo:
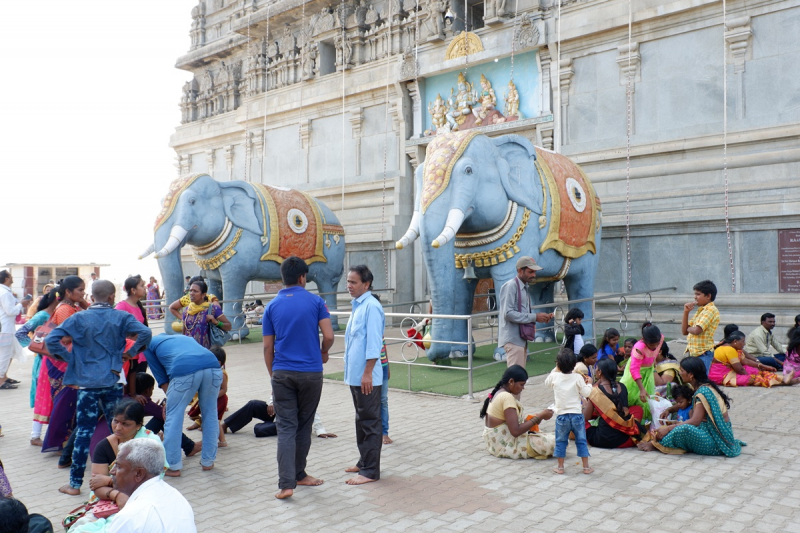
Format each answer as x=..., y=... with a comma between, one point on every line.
x=45, y=309
x=199, y=314
x=55, y=404
x=127, y=424
x=505, y=432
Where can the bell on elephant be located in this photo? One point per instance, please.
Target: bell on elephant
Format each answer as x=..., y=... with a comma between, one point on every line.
x=469, y=271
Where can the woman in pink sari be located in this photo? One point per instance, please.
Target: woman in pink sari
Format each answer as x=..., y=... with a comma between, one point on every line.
x=135, y=289
x=733, y=367
x=55, y=403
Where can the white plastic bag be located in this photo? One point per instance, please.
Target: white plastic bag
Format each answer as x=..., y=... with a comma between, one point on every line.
x=657, y=406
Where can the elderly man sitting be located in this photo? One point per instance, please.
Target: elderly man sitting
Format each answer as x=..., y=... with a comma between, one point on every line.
x=152, y=505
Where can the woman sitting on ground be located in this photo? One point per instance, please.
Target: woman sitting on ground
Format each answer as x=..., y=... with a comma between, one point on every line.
x=708, y=431
x=586, y=361
x=638, y=377
x=127, y=425
x=667, y=368
x=615, y=425
x=733, y=367
x=505, y=432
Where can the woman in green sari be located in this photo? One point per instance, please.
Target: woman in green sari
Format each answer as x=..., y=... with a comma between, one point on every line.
x=708, y=431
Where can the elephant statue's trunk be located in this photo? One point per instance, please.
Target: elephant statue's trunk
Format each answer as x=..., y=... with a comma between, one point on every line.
x=150, y=250
x=175, y=238
x=454, y=220
x=411, y=235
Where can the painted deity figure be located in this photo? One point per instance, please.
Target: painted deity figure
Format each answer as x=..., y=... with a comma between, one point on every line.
x=438, y=112
x=487, y=100
x=460, y=103
x=512, y=101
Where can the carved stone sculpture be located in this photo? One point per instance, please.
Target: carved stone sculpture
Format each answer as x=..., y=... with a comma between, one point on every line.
x=512, y=101
x=479, y=201
x=438, y=112
x=243, y=231
x=486, y=101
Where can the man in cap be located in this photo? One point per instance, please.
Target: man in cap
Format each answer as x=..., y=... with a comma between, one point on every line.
x=515, y=309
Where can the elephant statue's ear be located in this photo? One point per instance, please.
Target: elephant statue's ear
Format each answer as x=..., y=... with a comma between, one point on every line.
x=240, y=207
x=518, y=171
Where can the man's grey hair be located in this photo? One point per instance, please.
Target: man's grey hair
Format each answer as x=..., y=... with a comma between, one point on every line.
x=144, y=453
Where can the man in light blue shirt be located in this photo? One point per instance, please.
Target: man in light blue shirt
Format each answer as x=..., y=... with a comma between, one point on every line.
x=362, y=372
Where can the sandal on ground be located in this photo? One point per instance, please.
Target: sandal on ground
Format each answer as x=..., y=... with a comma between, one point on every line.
x=8, y=385
x=588, y=470
x=558, y=470
x=13, y=381
x=222, y=444
x=36, y=442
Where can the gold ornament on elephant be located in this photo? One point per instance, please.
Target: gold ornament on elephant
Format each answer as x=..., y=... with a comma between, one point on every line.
x=499, y=254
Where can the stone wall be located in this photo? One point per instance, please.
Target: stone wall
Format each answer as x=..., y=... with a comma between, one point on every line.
x=292, y=60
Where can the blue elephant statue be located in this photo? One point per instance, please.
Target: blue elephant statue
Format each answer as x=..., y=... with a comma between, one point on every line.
x=479, y=202
x=240, y=232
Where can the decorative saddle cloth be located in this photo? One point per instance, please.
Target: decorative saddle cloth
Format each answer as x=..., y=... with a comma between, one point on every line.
x=575, y=210
x=296, y=225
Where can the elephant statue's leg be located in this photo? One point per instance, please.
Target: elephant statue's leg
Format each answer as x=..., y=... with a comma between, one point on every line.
x=542, y=293
x=463, y=306
x=215, y=288
x=234, y=287
x=327, y=287
x=579, y=287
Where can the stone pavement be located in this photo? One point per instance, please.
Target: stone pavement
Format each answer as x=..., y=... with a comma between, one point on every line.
x=437, y=475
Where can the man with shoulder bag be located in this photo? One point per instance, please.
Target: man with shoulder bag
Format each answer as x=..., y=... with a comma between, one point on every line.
x=517, y=324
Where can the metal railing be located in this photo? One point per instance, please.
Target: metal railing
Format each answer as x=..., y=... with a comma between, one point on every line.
x=487, y=321
x=482, y=326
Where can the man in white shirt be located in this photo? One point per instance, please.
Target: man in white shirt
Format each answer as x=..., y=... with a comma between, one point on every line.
x=88, y=291
x=152, y=505
x=10, y=349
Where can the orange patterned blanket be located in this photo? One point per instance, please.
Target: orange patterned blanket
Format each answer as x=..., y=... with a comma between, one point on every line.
x=296, y=225
x=575, y=208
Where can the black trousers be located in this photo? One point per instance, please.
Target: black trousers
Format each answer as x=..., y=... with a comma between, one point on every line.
x=369, y=433
x=245, y=415
x=295, y=397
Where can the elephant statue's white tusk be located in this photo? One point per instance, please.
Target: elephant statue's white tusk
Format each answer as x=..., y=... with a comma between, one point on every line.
x=150, y=250
x=454, y=220
x=175, y=238
x=411, y=234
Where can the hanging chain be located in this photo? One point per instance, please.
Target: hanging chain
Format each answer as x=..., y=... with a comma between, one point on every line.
x=266, y=87
x=629, y=113
x=302, y=81
x=514, y=37
x=725, y=141
x=385, y=157
x=247, y=66
x=557, y=141
x=344, y=36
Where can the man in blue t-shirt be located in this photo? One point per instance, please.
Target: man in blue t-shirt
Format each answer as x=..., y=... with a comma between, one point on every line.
x=294, y=358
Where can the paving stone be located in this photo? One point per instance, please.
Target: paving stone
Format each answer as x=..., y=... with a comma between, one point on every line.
x=443, y=480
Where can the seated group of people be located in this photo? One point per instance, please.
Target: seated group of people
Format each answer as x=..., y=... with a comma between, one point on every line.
x=624, y=381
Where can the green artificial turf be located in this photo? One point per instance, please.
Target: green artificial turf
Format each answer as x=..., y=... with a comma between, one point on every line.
x=444, y=380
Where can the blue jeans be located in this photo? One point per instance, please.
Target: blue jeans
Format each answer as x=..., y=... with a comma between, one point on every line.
x=91, y=402
x=575, y=423
x=180, y=392
x=385, y=401
x=707, y=358
x=775, y=360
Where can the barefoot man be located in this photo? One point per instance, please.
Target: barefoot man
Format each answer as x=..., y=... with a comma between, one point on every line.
x=363, y=343
x=294, y=359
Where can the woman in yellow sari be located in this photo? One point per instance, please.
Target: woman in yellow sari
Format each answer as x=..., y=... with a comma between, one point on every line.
x=505, y=432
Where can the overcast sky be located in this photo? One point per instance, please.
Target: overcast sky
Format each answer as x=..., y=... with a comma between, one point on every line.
x=89, y=98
